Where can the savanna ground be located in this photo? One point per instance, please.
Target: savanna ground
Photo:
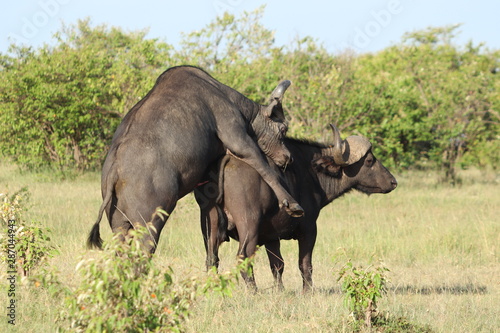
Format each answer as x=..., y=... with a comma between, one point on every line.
x=440, y=243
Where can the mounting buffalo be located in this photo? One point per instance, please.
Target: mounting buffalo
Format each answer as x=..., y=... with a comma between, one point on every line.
x=246, y=208
x=163, y=147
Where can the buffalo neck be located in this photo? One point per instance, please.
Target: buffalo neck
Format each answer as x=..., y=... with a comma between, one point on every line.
x=333, y=187
x=304, y=152
x=248, y=108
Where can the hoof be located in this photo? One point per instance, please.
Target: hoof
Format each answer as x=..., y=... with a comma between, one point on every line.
x=294, y=210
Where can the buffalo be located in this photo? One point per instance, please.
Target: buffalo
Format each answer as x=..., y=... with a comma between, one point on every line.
x=163, y=147
x=246, y=208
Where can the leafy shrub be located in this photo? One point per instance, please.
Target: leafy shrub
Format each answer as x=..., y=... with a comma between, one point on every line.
x=26, y=245
x=33, y=246
x=61, y=104
x=423, y=99
x=362, y=288
x=122, y=291
x=12, y=206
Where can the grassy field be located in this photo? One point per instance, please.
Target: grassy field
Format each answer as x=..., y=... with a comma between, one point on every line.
x=441, y=244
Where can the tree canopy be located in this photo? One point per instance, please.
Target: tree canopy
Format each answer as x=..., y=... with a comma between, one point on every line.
x=422, y=102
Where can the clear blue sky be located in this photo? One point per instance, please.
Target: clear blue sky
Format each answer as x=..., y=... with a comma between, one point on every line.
x=363, y=25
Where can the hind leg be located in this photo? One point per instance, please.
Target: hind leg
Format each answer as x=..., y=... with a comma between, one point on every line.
x=118, y=221
x=134, y=208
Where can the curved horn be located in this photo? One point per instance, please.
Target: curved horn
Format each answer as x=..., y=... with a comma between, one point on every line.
x=279, y=91
x=338, y=147
x=276, y=97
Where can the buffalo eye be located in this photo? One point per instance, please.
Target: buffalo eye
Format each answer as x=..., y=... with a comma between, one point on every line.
x=283, y=130
x=369, y=161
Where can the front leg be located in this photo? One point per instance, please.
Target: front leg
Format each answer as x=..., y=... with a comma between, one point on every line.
x=212, y=239
x=209, y=217
x=245, y=149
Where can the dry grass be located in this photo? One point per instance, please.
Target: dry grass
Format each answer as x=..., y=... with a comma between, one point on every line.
x=440, y=243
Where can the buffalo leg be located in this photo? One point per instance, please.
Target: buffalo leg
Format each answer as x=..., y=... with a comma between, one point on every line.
x=119, y=223
x=209, y=229
x=306, y=245
x=244, y=148
x=121, y=226
x=247, y=248
x=276, y=262
x=131, y=211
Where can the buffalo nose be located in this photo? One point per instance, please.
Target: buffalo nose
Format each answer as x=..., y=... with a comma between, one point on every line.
x=290, y=160
x=394, y=183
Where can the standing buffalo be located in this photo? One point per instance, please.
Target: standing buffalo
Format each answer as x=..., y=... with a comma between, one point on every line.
x=248, y=211
x=165, y=144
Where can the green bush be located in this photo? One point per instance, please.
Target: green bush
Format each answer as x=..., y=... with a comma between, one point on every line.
x=362, y=288
x=26, y=244
x=60, y=105
x=13, y=205
x=423, y=99
x=122, y=291
x=33, y=247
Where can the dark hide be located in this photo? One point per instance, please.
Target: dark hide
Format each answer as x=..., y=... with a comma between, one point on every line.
x=162, y=149
x=248, y=211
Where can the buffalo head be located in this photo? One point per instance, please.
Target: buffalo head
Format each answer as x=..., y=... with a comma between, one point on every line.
x=353, y=159
x=270, y=127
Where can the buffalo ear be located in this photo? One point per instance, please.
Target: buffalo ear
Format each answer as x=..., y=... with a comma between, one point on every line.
x=326, y=165
x=276, y=99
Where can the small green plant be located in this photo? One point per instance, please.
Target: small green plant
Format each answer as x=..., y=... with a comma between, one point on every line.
x=12, y=206
x=33, y=246
x=122, y=291
x=26, y=245
x=362, y=288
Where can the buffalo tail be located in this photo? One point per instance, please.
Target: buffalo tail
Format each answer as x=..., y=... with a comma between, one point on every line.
x=94, y=240
x=222, y=165
x=222, y=219
x=221, y=225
